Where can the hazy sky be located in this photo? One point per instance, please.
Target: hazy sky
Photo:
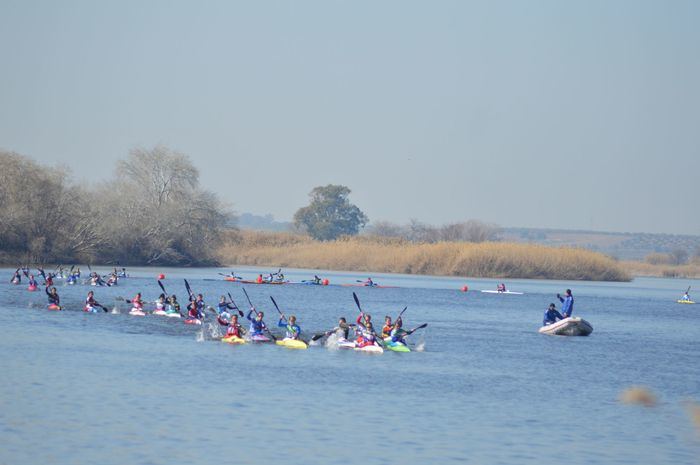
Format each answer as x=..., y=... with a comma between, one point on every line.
x=525, y=113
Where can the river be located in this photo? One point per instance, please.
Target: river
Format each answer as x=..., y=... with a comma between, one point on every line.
x=483, y=387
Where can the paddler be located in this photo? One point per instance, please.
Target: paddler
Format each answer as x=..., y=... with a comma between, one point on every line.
x=551, y=315
x=193, y=312
x=91, y=303
x=568, y=303
x=388, y=326
x=397, y=332
x=16, y=278
x=343, y=328
x=293, y=329
x=257, y=325
x=501, y=287
x=369, y=282
x=137, y=302
x=54, y=299
x=259, y=279
x=365, y=335
x=223, y=306
x=173, y=305
x=160, y=303
x=686, y=296
x=317, y=280
x=32, y=281
x=234, y=328
x=200, y=304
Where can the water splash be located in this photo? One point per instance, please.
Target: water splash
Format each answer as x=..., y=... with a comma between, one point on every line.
x=332, y=341
x=420, y=347
x=115, y=310
x=199, y=335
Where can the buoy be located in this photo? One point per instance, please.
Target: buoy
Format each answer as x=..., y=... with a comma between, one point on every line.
x=325, y=282
x=161, y=276
x=465, y=288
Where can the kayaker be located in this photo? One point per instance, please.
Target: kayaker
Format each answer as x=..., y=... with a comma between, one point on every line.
x=16, y=278
x=686, y=296
x=160, y=303
x=568, y=303
x=293, y=329
x=369, y=282
x=501, y=287
x=317, y=280
x=224, y=307
x=234, y=328
x=551, y=315
x=91, y=303
x=365, y=335
x=259, y=279
x=388, y=326
x=257, y=325
x=49, y=279
x=173, y=305
x=122, y=273
x=200, y=304
x=193, y=311
x=137, y=302
x=32, y=281
x=343, y=328
x=280, y=277
x=112, y=280
x=397, y=332
x=54, y=299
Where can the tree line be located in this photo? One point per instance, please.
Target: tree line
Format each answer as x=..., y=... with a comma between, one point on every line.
x=152, y=212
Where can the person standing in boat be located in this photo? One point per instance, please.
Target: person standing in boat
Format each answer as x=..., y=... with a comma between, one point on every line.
x=551, y=315
x=567, y=303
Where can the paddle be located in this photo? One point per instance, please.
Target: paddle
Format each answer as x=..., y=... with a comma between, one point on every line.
x=162, y=288
x=240, y=312
x=404, y=309
x=252, y=307
x=411, y=331
x=284, y=317
x=318, y=336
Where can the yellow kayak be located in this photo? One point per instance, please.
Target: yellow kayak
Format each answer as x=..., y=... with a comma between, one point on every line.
x=685, y=301
x=233, y=340
x=292, y=343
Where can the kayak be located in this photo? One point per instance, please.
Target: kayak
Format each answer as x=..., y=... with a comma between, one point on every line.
x=89, y=309
x=233, y=340
x=164, y=313
x=395, y=346
x=373, y=285
x=136, y=312
x=572, y=326
x=292, y=343
x=232, y=279
x=193, y=321
x=685, y=301
x=243, y=281
x=373, y=349
x=31, y=288
x=53, y=307
x=502, y=292
x=259, y=338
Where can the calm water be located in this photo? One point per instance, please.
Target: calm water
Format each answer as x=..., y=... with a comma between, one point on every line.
x=487, y=388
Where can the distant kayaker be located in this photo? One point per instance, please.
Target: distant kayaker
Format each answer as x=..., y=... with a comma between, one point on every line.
x=369, y=282
x=16, y=278
x=54, y=299
x=568, y=303
x=32, y=281
x=200, y=305
x=257, y=325
x=113, y=280
x=234, y=328
x=686, y=296
x=551, y=315
x=501, y=287
x=316, y=280
x=293, y=329
x=259, y=280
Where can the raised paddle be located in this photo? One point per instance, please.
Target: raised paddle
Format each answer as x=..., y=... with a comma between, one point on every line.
x=278, y=309
x=376, y=338
x=240, y=313
x=404, y=309
x=411, y=331
x=252, y=307
x=162, y=288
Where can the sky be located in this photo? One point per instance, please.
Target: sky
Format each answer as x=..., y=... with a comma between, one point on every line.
x=552, y=114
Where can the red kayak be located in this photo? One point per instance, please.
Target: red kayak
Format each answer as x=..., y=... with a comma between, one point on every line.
x=31, y=288
x=53, y=307
x=367, y=285
x=264, y=282
x=193, y=321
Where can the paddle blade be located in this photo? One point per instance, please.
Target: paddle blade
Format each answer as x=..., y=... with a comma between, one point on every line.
x=357, y=302
x=162, y=288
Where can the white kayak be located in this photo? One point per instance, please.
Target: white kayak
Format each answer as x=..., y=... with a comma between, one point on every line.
x=572, y=326
x=136, y=312
x=373, y=349
x=502, y=292
x=164, y=313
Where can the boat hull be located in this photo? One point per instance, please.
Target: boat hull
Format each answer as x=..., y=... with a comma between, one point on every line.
x=572, y=326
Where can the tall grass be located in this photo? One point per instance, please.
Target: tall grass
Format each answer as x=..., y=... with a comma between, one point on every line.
x=371, y=254
x=689, y=270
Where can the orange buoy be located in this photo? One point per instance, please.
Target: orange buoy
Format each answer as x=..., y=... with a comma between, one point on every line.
x=465, y=288
x=161, y=276
x=325, y=282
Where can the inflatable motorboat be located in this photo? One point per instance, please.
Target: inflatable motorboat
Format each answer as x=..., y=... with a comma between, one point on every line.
x=572, y=326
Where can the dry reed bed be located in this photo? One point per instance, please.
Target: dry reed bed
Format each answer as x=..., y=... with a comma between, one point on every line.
x=690, y=270
x=489, y=259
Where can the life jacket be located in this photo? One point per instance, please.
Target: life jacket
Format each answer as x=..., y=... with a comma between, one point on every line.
x=234, y=330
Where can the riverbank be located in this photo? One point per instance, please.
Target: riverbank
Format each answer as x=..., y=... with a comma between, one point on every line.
x=370, y=254
x=661, y=271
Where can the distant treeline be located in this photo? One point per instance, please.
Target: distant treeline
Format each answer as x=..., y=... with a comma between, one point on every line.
x=416, y=231
x=394, y=255
x=152, y=212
